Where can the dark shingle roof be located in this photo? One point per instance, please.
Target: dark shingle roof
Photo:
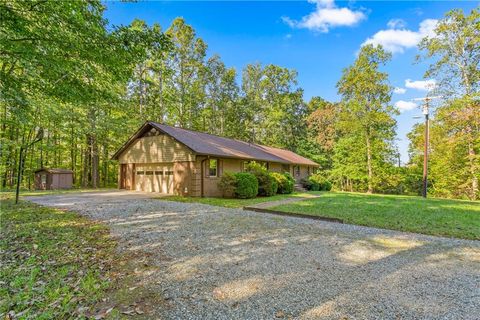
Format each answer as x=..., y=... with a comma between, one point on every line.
x=209, y=144
x=54, y=170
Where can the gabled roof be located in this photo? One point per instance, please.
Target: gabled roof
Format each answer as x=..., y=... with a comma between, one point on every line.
x=54, y=170
x=213, y=145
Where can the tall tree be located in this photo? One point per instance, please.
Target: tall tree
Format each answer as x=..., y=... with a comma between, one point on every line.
x=220, y=114
x=187, y=82
x=455, y=47
x=366, y=115
x=64, y=71
x=274, y=108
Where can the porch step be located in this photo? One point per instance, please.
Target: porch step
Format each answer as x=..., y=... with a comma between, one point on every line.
x=299, y=187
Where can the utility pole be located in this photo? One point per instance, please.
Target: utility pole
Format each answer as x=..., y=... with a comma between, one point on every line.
x=426, y=111
x=425, y=150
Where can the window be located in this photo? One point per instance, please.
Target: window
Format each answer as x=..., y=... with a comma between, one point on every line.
x=140, y=172
x=169, y=173
x=297, y=171
x=149, y=173
x=159, y=173
x=308, y=171
x=286, y=168
x=212, y=167
x=245, y=165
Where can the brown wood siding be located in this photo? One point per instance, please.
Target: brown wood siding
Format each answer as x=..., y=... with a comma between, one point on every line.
x=196, y=178
x=128, y=182
x=156, y=149
x=53, y=180
x=210, y=184
x=184, y=184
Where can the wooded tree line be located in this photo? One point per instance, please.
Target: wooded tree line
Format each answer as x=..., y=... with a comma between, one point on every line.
x=85, y=87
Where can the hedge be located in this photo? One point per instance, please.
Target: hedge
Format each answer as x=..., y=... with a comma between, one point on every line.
x=267, y=184
x=285, y=184
x=246, y=185
x=228, y=184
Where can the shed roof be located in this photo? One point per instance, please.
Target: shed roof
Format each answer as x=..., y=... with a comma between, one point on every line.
x=54, y=170
x=209, y=144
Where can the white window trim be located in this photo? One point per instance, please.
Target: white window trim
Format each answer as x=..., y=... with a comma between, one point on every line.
x=208, y=168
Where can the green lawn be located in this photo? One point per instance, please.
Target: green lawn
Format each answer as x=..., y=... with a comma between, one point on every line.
x=440, y=217
x=235, y=203
x=11, y=193
x=54, y=263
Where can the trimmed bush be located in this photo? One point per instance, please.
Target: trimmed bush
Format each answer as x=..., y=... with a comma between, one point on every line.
x=327, y=186
x=322, y=182
x=285, y=182
x=310, y=185
x=246, y=185
x=228, y=184
x=267, y=184
x=291, y=182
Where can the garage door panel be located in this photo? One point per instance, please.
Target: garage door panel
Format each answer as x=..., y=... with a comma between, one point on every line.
x=155, y=178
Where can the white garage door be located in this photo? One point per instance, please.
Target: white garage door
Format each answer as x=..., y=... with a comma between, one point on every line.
x=154, y=178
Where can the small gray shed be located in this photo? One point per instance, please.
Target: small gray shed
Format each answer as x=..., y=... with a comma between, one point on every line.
x=54, y=178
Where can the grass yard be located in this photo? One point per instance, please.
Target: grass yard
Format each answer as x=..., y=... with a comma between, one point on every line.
x=11, y=193
x=440, y=217
x=236, y=203
x=55, y=264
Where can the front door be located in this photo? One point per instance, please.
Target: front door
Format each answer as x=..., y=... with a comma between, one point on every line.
x=123, y=175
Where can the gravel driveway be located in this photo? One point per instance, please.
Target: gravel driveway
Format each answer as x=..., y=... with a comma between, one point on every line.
x=217, y=263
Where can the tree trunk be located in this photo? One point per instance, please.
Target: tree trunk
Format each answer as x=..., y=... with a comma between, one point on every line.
x=95, y=161
x=369, y=165
x=105, y=165
x=86, y=164
x=160, y=96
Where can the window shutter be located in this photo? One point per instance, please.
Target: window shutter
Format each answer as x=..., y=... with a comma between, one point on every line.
x=220, y=168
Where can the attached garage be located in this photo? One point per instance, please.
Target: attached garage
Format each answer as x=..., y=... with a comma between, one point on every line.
x=172, y=160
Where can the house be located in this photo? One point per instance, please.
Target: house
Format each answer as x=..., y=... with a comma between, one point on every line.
x=53, y=178
x=172, y=160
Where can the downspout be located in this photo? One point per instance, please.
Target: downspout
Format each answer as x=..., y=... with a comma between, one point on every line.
x=202, y=173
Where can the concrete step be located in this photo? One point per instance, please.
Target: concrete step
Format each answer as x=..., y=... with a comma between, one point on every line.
x=299, y=187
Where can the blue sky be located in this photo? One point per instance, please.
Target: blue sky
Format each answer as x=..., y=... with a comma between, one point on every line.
x=318, y=39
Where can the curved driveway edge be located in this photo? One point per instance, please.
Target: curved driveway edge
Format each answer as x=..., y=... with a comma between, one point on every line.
x=218, y=263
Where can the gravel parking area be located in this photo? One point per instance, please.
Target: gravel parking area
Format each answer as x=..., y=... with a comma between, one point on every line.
x=217, y=263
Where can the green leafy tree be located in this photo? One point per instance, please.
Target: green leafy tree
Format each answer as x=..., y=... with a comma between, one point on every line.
x=366, y=116
x=321, y=135
x=273, y=107
x=220, y=114
x=455, y=48
x=186, y=84
x=65, y=72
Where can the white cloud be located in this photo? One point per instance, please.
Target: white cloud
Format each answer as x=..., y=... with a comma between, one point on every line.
x=398, y=90
x=422, y=85
x=396, y=23
x=405, y=105
x=326, y=16
x=397, y=40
